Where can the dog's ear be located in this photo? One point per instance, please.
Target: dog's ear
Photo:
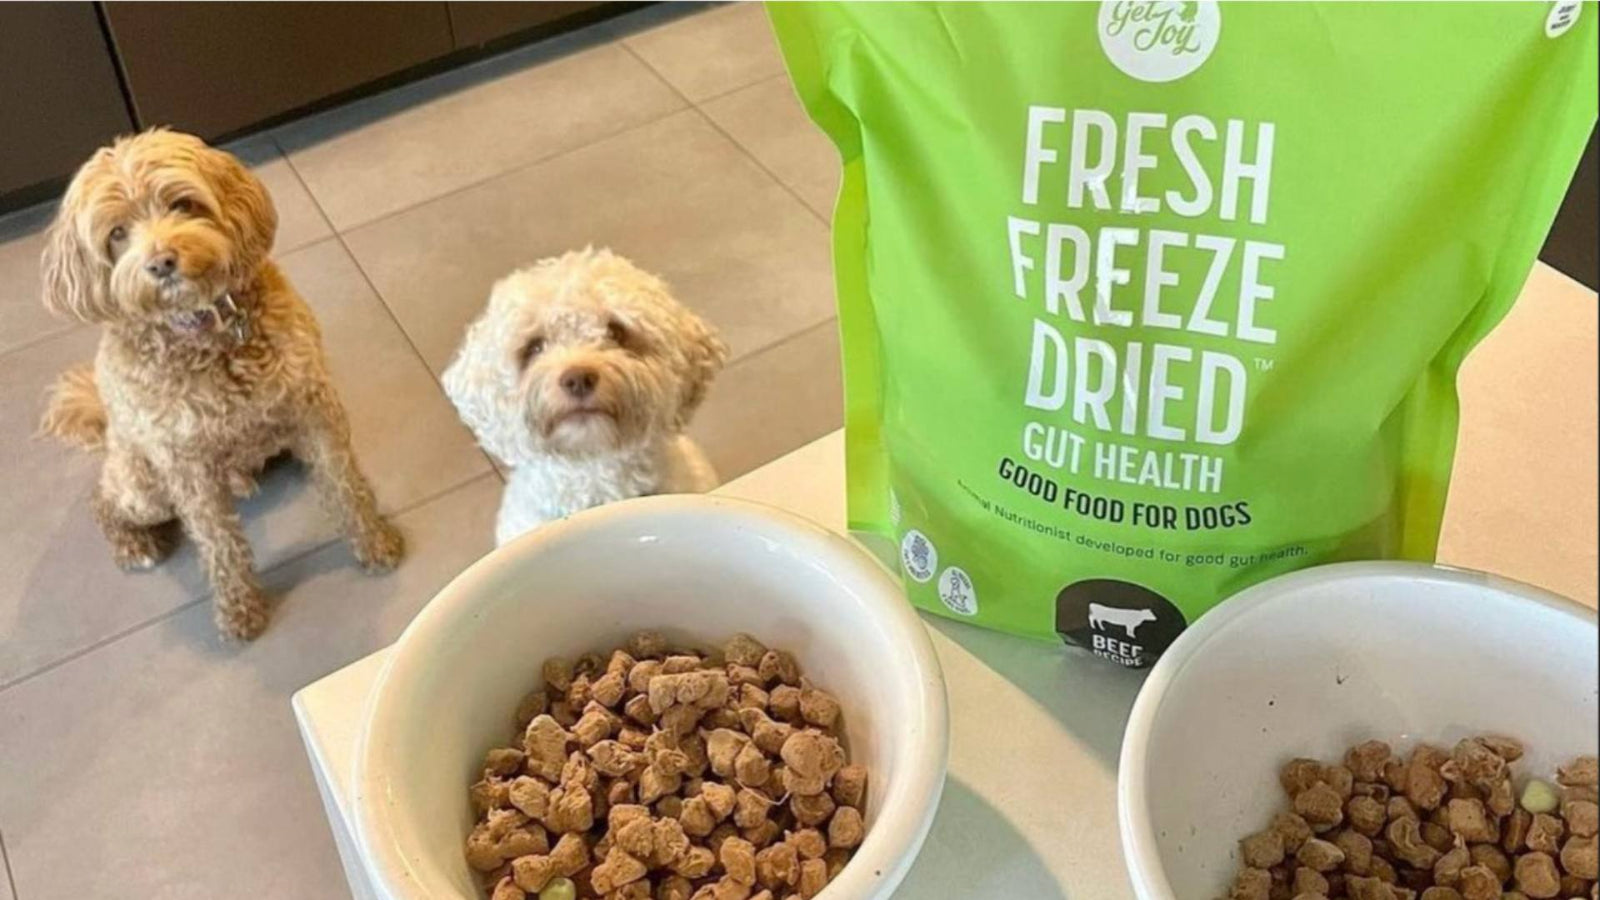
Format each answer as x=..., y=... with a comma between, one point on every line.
x=482, y=383
x=74, y=278
x=247, y=208
x=705, y=354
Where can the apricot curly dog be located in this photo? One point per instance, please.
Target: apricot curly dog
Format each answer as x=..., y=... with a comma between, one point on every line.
x=209, y=363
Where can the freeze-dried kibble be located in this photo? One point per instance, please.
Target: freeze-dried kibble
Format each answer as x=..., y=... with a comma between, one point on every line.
x=1540, y=797
x=847, y=829
x=1318, y=854
x=1537, y=876
x=1320, y=805
x=1298, y=775
x=1357, y=849
x=1365, y=760
x=1581, y=772
x=1447, y=871
x=1578, y=857
x=818, y=708
x=1470, y=821
x=1251, y=884
x=668, y=775
x=1308, y=881
x=1294, y=829
x=1582, y=817
x=1262, y=850
x=1544, y=835
x=1425, y=786
x=1365, y=815
x=1441, y=893
x=1478, y=883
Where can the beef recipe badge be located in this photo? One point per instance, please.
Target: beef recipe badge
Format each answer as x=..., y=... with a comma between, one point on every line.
x=1138, y=310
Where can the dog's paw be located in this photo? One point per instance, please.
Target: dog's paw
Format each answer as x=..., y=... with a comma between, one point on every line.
x=241, y=613
x=141, y=549
x=379, y=550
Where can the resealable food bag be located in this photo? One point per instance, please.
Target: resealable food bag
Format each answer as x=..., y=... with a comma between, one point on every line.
x=1145, y=302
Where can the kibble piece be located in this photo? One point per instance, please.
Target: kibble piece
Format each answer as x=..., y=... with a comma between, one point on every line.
x=571, y=810
x=1579, y=856
x=533, y=873
x=750, y=767
x=846, y=829
x=1500, y=797
x=1447, y=871
x=592, y=728
x=1324, y=856
x=1361, y=888
x=1401, y=808
x=1320, y=805
x=1357, y=849
x=743, y=650
x=1405, y=839
x=770, y=736
x=545, y=743
x=609, y=689
x=1340, y=779
x=779, y=666
x=809, y=843
x=1478, y=883
x=1441, y=893
x=1544, y=834
x=1298, y=775
x=1573, y=886
x=813, y=878
x=1490, y=857
x=1537, y=876
x=777, y=866
x=1294, y=829
x=738, y=858
x=722, y=750
x=1581, y=772
x=1365, y=815
x=529, y=840
x=719, y=798
x=1365, y=760
x=490, y=793
x=674, y=887
x=1309, y=881
x=818, y=708
x=1515, y=833
x=784, y=703
x=619, y=869
x=483, y=853
x=812, y=809
x=811, y=754
x=1582, y=817
x=1425, y=787
x=697, y=818
x=763, y=834
x=695, y=863
x=1251, y=884
x=1262, y=850
x=1470, y=821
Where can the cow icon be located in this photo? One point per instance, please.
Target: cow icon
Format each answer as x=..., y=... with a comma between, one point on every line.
x=1128, y=619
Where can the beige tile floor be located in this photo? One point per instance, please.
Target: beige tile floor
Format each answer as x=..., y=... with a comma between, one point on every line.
x=141, y=757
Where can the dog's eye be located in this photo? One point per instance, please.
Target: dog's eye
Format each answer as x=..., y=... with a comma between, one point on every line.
x=118, y=235
x=618, y=334
x=183, y=206
x=531, y=349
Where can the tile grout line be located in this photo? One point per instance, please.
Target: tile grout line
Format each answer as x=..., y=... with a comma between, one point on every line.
x=107, y=641
x=6, y=859
x=715, y=126
x=371, y=285
x=520, y=167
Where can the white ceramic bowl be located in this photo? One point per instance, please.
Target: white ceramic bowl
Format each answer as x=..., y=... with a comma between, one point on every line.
x=697, y=568
x=1308, y=664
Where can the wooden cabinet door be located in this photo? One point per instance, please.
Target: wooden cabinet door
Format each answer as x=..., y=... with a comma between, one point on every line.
x=215, y=68
x=59, y=97
x=476, y=22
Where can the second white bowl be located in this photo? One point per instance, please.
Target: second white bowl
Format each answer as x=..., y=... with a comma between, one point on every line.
x=697, y=568
x=1310, y=663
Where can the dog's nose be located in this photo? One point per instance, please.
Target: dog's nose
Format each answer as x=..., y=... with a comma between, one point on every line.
x=162, y=264
x=578, y=382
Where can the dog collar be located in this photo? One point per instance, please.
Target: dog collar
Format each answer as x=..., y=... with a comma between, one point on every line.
x=224, y=313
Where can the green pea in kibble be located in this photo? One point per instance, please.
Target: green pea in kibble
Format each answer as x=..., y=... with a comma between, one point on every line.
x=1537, y=797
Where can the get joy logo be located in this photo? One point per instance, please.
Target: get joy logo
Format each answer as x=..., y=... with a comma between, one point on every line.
x=1159, y=40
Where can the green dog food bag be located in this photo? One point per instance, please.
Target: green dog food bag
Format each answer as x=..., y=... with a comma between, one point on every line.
x=1146, y=302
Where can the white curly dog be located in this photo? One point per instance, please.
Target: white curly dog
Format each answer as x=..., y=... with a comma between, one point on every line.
x=581, y=375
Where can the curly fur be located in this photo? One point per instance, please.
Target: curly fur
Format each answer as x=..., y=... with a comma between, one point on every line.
x=185, y=412
x=643, y=361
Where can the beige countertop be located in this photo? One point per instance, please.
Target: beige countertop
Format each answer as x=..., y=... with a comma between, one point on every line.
x=1523, y=504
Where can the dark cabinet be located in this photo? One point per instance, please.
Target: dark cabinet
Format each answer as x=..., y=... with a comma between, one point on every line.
x=477, y=23
x=59, y=97
x=216, y=68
